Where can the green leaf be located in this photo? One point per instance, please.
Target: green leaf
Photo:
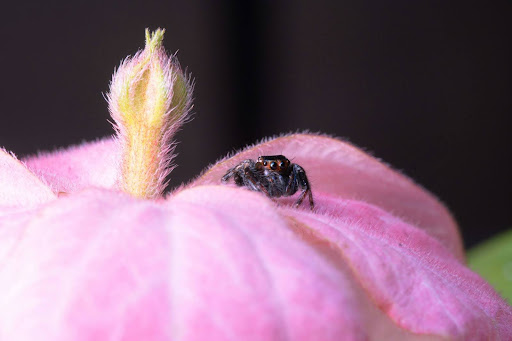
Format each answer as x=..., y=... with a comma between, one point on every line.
x=492, y=259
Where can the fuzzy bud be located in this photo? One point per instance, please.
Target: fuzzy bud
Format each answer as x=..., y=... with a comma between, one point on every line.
x=149, y=99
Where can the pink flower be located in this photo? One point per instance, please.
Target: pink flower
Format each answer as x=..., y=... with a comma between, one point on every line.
x=83, y=258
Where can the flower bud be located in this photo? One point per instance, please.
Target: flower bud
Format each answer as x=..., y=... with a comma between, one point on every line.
x=150, y=98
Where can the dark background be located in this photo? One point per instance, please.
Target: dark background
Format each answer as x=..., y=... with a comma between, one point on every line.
x=425, y=86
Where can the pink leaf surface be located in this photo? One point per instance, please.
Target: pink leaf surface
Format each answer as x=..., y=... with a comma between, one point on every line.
x=337, y=168
x=221, y=263
x=378, y=259
x=93, y=164
x=18, y=186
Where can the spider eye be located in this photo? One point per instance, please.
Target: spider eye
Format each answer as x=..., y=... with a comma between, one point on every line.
x=281, y=165
x=273, y=165
x=265, y=163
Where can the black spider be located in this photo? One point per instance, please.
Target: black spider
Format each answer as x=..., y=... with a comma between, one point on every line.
x=273, y=175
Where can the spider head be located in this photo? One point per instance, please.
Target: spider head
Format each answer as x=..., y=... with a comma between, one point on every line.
x=275, y=163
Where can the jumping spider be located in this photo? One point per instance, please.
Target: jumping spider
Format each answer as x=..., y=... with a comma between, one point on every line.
x=273, y=175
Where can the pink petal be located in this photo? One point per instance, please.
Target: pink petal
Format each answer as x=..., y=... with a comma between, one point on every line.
x=408, y=274
x=221, y=263
x=337, y=168
x=93, y=164
x=18, y=186
x=217, y=262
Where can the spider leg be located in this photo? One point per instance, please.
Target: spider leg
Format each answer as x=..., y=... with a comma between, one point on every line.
x=303, y=195
x=291, y=186
x=301, y=180
x=229, y=174
x=310, y=196
x=236, y=172
x=250, y=176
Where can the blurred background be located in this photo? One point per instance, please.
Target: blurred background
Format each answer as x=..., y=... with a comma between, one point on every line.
x=424, y=85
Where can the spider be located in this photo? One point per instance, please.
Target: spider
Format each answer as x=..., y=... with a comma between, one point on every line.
x=273, y=175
